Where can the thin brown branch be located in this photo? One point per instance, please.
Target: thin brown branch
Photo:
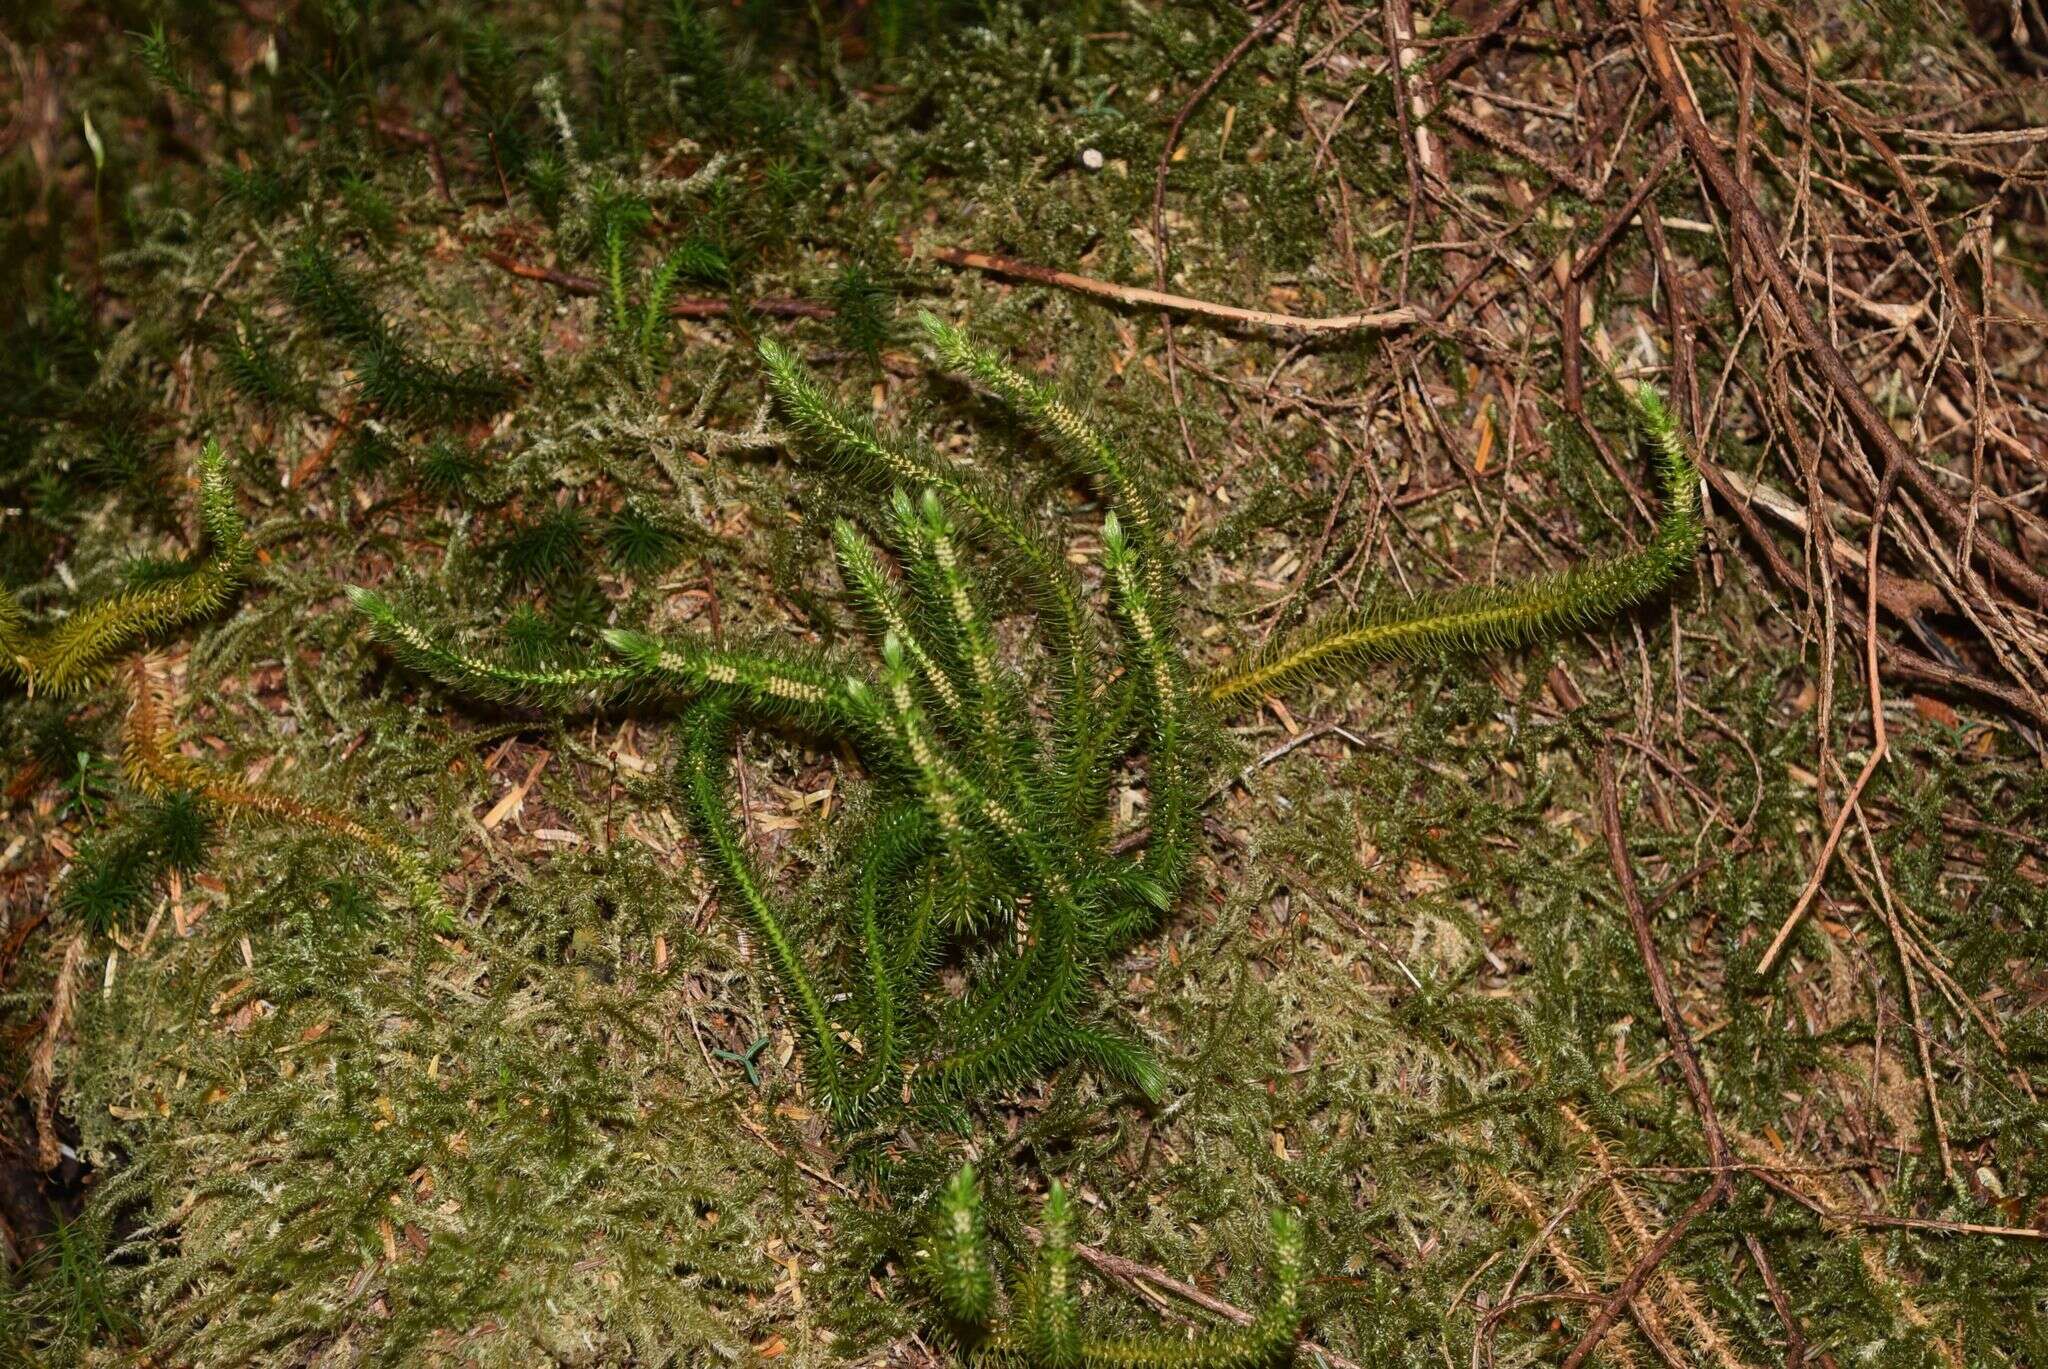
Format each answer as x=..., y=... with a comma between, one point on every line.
x=1382, y=321
x=1500, y=138
x=437, y=165
x=1618, y=220
x=1682, y=1049
x=1880, y=747
x=1762, y=241
x=1131, y=1272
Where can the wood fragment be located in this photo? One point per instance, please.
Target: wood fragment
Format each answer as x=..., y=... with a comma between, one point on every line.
x=1381, y=321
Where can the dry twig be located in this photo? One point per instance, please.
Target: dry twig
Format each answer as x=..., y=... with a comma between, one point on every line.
x=1381, y=321
x=1682, y=1050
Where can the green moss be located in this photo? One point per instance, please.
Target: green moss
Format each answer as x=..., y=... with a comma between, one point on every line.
x=576, y=1122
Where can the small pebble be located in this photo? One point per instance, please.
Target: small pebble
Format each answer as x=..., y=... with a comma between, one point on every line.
x=1092, y=159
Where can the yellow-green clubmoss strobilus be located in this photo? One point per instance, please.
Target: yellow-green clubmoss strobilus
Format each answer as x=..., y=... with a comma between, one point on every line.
x=991, y=841
x=77, y=649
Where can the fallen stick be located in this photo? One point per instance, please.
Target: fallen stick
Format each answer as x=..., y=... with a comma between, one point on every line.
x=1382, y=321
x=436, y=165
x=1880, y=747
x=1507, y=142
x=1903, y=597
x=781, y=307
x=1130, y=1271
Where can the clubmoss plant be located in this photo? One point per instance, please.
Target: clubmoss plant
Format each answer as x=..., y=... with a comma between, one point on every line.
x=1486, y=617
x=636, y=301
x=991, y=843
x=1045, y=1326
x=582, y=1129
x=72, y=653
